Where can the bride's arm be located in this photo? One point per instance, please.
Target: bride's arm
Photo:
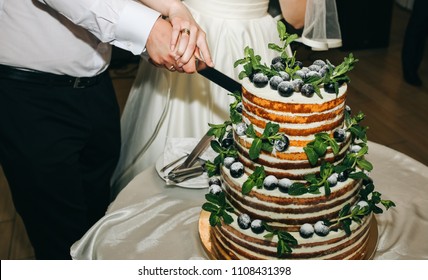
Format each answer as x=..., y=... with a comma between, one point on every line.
x=293, y=12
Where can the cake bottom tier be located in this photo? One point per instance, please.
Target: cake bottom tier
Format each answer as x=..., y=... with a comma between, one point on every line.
x=230, y=242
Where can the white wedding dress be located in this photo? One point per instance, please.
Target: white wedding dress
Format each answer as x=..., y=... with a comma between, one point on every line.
x=165, y=104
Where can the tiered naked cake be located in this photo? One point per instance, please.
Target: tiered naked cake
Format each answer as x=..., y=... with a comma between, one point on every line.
x=290, y=180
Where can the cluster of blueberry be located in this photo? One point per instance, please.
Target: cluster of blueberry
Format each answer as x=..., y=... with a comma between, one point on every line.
x=320, y=228
x=300, y=80
x=244, y=220
x=256, y=225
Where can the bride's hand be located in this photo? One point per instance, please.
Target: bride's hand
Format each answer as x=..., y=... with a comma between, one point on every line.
x=187, y=38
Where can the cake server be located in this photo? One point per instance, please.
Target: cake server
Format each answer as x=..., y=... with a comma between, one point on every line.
x=218, y=77
x=195, y=153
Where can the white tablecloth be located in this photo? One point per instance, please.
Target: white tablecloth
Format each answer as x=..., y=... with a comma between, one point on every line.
x=149, y=220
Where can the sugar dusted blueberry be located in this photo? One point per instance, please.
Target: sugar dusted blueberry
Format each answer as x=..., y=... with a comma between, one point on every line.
x=305, y=70
x=284, y=184
x=281, y=144
x=214, y=181
x=306, y=230
x=241, y=128
x=276, y=59
x=297, y=84
x=285, y=89
x=323, y=70
x=244, y=221
x=319, y=62
x=301, y=74
x=362, y=203
x=313, y=74
x=260, y=80
x=284, y=75
x=270, y=182
x=215, y=189
x=228, y=161
x=236, y=169
x=278, y=66
x=314, y=67
x=307, y=90
x=274, y=82
x=297, y=63
x=348, y=109
x=343, y=176
x=354, y=148
x=332, y=179
x=321, y=228
x=257, y=226
x=339, y=135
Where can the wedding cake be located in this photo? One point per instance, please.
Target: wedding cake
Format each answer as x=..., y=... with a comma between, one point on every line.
x=291, y=180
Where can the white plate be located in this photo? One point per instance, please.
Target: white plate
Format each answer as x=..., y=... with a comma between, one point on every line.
x=176, y=148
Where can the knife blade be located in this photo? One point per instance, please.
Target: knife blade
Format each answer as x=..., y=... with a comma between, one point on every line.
x=218, y=77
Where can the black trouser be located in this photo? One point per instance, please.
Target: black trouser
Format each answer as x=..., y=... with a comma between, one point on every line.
x=58, y=148
x=415, y=38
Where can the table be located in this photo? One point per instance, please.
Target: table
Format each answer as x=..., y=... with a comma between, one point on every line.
x=149, y=220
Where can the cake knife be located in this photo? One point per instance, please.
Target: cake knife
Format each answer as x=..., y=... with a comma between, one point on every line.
x=218, y=77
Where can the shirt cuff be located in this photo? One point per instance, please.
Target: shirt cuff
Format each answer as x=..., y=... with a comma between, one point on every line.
x=134, y=26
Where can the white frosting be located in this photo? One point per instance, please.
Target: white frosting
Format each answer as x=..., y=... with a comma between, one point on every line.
x=297, y=98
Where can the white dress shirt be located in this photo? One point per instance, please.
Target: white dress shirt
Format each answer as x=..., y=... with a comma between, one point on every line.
x=71, y=37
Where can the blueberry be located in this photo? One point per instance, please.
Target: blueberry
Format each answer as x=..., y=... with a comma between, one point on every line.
x=285, y=89
x=297, y=84
x=228, y=161
x=362, y=203
x=321, y=229
x=284, y=75
x=307, y=90
x=270, y=182
x=319, y=62
x=343, y=176
x=284, y=184
x=281, y=144
x=314, y=67
x=332, y=179
x=274, y=82
x=297, y=63
x=244, y=221
x=354, y=149
x=339, y=135
x=348, y=109
x=301, y=74
x=215, y=189
x=241, y=128
x=278, y=66
x=329, y=88
x=276, y=59
x=315, y=74
x=239, y=107
x=227, y=142
x=260, y=80
x=323, y=70
x=257, y=226
x=236, y=169
x=214, y=181
x=306, y=230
